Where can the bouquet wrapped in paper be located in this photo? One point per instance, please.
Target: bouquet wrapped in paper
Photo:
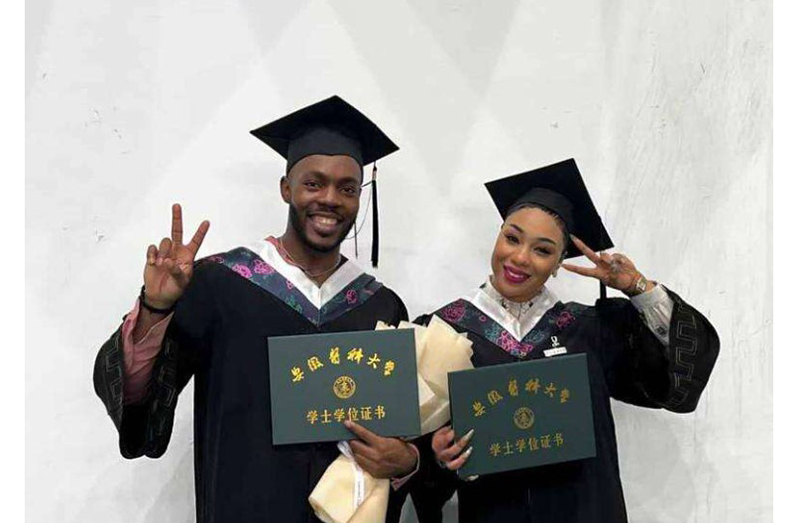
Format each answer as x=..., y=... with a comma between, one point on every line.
x=348, y=494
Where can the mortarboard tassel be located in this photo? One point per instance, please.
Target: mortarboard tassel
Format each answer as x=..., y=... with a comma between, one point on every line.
x=375, y=222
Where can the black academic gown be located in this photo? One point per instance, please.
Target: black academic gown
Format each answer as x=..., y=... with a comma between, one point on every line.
x=625, y=362
x=218, y=335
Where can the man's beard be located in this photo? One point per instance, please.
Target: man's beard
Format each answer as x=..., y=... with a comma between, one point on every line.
x=297, y=225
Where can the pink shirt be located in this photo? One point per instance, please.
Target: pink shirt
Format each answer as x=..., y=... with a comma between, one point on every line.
x=140, y=357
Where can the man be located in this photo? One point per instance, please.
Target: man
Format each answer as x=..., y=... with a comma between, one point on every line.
x=211, y=319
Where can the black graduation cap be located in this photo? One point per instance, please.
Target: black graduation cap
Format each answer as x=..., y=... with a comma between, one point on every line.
x=331, y=127
x=558, y=187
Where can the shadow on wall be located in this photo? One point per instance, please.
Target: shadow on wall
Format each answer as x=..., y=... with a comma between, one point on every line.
x=461, y=40
x=655, y=472
x=142, y=491
x=176, y=498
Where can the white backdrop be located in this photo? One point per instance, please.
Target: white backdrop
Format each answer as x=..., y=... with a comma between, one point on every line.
x=666, y=105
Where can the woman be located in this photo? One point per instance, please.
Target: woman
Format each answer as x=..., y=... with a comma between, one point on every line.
x=652, y=350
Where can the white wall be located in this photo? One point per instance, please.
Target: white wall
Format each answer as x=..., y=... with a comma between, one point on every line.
x=666, y=105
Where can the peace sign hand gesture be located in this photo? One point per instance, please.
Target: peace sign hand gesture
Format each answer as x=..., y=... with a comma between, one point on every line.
x=613, y=270
x=170, y=266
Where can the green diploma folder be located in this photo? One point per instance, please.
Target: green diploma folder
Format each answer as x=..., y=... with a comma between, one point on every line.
x=318, y=381
x=524, y=414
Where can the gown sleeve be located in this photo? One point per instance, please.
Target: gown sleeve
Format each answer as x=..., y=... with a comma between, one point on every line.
x=641, y=370
x=145, y=428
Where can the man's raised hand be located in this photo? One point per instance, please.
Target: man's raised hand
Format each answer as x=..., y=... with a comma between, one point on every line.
x=170, y=265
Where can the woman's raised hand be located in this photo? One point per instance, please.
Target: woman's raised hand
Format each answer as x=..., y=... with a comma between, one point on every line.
x=613, y=270
x=170, y=266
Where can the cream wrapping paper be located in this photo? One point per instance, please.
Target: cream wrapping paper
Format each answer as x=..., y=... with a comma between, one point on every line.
x=346, y=493
x=337, y=496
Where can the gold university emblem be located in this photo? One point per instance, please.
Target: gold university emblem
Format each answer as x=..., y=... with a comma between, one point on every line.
x=524, y=418
x=344, y=387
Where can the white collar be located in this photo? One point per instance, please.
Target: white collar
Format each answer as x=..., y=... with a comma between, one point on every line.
x=318, y=296
x=488, y=300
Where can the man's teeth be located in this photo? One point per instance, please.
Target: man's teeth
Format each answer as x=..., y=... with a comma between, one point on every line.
x=325, y=221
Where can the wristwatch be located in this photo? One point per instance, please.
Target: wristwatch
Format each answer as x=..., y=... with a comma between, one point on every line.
x=640, y=285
